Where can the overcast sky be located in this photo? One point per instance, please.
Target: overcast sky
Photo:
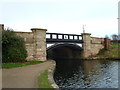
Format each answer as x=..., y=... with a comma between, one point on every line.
x=61, y=16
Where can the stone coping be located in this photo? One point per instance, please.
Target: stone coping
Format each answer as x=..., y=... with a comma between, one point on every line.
x=51, y=74
x=38, y=29
x=22, y=32
x=86, y=33
x=97, y=37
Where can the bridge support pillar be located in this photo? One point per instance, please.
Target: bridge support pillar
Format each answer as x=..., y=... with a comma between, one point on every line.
x=86, y=45
x=39, y=47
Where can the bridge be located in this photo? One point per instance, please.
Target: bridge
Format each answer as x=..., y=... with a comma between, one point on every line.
x=65, y=46
x=41, y=45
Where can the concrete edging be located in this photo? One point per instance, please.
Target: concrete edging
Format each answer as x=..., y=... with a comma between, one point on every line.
x=51, y=73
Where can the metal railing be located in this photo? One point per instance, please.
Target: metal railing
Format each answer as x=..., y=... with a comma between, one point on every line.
x=59, y=37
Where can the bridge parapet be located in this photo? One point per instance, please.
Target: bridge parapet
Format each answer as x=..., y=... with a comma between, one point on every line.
x=59, y=37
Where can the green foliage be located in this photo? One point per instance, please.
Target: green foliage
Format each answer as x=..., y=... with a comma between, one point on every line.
x=102, y=51
x=43, y=80
x=13, y=65
x=113, y=52
x=115, y=45
x=13, y=47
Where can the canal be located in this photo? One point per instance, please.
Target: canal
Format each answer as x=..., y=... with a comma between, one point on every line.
x=86, y=73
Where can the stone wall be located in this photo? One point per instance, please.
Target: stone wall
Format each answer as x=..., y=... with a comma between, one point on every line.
x=28, y=38
x=92, y=45
x=96, y=45
x=1, y=26
x=35, y=43
x=86, y=44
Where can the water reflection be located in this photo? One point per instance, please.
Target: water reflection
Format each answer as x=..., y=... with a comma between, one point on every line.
x=86, y=73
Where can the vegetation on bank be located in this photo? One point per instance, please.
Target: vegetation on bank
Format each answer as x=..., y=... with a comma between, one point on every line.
x=13, y=47
x=115, y=45
x=20, y=64
x=113, y=52
x=43, y=80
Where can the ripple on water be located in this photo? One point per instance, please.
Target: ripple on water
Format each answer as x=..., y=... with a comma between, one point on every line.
x=88, y=74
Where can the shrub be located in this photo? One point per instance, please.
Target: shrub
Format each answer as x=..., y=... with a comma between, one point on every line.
x=102, y=51
x=13, y=47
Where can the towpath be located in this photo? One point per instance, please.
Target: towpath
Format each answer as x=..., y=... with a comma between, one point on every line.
x=23, y=77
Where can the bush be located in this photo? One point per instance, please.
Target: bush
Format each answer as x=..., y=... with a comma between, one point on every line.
x=13, y=47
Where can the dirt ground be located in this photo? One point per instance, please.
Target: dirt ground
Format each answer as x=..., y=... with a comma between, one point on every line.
x=23, y=77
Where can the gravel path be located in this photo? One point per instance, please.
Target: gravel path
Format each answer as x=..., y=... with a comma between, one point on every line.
x=23, y=77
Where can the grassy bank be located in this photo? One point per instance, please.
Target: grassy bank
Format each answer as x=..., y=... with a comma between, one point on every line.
x=113, y=52
x=43, y=80
x=115, y=45
x=20, y=64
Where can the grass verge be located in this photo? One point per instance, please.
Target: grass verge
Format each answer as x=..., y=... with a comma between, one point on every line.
x=43, y=80
x=113, y=52
x=115, y=45
x=20, y=64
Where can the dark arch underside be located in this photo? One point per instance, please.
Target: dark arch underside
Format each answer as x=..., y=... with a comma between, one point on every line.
x=65, y=51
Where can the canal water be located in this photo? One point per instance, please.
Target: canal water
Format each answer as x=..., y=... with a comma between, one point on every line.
x=86, y=73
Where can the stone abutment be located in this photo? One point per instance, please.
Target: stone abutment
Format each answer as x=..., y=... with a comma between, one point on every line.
x=92, y=45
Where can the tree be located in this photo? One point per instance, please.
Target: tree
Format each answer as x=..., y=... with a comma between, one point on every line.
x=13, y=47
x=114, y=37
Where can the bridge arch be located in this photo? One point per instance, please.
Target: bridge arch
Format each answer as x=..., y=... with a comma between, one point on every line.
x=64, y=51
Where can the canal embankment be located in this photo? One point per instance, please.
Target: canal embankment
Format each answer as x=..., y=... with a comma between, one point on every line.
x=51, y=71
